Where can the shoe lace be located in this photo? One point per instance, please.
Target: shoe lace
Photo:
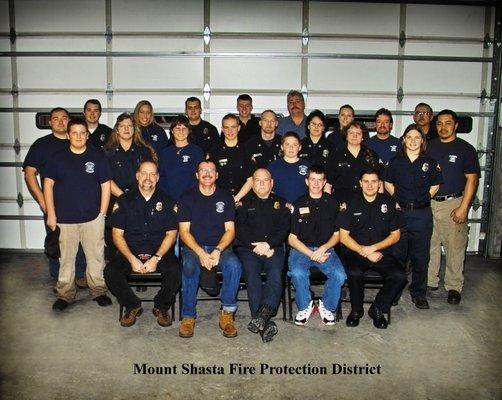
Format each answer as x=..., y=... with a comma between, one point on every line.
x=226, y=318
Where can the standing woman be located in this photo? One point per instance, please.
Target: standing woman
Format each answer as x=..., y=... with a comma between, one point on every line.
x=124, y=150
x=413, y=178
x=152, y=132
x=178, y=162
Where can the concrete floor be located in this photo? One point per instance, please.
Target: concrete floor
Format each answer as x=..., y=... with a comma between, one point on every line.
x=447, y=352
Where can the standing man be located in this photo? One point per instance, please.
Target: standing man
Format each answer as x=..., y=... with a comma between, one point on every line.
x=204, y=134
x=76, y=193
x=369, y=226
x=229, y=155
x=262, y=226
x=250, y=125
x=99, y=132
x=423, y=116
x=261, y=150
x=313, y=236
x=144, y=232
x=296, y=120
x=207, y=230
x=450, y=206
x=35, y=163
x=383, y=143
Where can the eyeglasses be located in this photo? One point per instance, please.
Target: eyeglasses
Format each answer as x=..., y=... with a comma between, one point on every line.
x=314, y=125
x=422, y=113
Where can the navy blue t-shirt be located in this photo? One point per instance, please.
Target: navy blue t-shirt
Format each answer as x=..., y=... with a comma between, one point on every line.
x=289, y=178
x=386, y=149
x=43, y=150
x=177, y=168
x=155, y=136
x=144, y=222
x=207, y=214
x=455, y=158
x=412, y=180
x=77, y=187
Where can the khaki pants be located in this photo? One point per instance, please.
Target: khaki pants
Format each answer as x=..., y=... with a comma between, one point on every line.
x=453, y=236
x=91, y=236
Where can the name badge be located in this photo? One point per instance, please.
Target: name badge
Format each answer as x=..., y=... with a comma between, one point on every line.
x=304, y=210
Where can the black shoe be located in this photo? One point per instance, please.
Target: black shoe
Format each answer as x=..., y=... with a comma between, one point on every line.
x=259, y=322
x=59, y=305
x=379, y=320
x=454, y=297
x=432, y=288
x=354, y=317
x=256, y=325
x=103, y=300
x=268, y=333
x=140, y=289
x=421, y=303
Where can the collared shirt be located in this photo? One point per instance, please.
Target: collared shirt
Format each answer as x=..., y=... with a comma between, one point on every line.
x=319, y=153
x=250, y=129
x=205, y=135
x=177, y=168
x=286, y=124
x=314, y=220
x=413, y=180
x=207, y=214
x=233, y=166
x=260, y=153
x=42, y=151
x=77, y=183
x=456, y=159
x=336, y=137
x=289, y=178
x=155, y=136
x=386, y=149
x=144, y=222
x=125, y=163
x=262, y=220
x=370, y=222
x=100, y=136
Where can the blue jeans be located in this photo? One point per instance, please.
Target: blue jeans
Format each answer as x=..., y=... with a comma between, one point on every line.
x=259, y=293
x=299, y=272
x=230, y=267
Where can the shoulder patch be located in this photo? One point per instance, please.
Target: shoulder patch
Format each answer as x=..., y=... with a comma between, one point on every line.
x=277, y=205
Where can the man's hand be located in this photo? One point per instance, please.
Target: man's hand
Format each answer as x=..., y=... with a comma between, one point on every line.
x=137, y=266
x=150, y=265
x=269, y=253
x=206, y=261
x=365, y=251
x=319, y=255
x=51, y=222
x=215, y=258
x=375, y=257
x=459, y=215
x=261, y=248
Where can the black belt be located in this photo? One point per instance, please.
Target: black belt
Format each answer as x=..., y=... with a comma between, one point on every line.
x=414, y=206
x=448, y=196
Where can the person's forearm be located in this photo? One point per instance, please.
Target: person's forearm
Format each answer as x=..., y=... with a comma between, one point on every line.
x=167, y=243
x=333, y=240
x=49, y=197
x=297, y=244
x=30, y=177
x=121, y=244
x=116, y=191
x=393, y=238
x=226, y=240
x=244, y=189
x=189, y=241
x=105, y=197
x=469, y=191
x=349, y=242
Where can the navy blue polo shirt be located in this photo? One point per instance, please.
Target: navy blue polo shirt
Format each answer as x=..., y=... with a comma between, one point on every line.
x=155, y=136
x=336, y=137
x=77, y=187
x=319, y=153
x=207, y=214
x=412, y=180
x=124, y=164
x=43, y=150
x=386, y=149
x=262, y=220
x=345, y=169
x=232, y=164
x=177, y=168
x=100, y=136
x=261, y=152
x=250, y=129
x=289, y=178
x=314, y=220
x=370, y=222
x=455, y=158
x=144, y=222
x=205, y=135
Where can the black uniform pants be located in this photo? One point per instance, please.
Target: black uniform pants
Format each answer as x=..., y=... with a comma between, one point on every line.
x=118, y=269
x=390, y=269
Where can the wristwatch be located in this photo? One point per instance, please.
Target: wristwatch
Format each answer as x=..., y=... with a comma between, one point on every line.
x=158, y=257
x=217, y=249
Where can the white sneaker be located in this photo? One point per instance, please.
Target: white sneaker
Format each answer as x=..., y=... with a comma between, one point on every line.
x=327, y=316
x=303, y=316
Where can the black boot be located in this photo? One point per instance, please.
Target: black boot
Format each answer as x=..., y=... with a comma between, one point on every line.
x=268, y=333
x=257, y=324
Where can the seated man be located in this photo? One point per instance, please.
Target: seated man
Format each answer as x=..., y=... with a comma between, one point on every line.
x=369, y=225
x=144, y=232
x=313, y=235
x=206, y=223
x=262, y=226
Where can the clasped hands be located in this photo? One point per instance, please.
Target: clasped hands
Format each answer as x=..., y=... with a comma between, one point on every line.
x=371, y=253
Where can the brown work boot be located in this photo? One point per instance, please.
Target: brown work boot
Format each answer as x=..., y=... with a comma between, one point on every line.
x=163, y=317
x=227, y=324
x=129, y=318
x=187, y=326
